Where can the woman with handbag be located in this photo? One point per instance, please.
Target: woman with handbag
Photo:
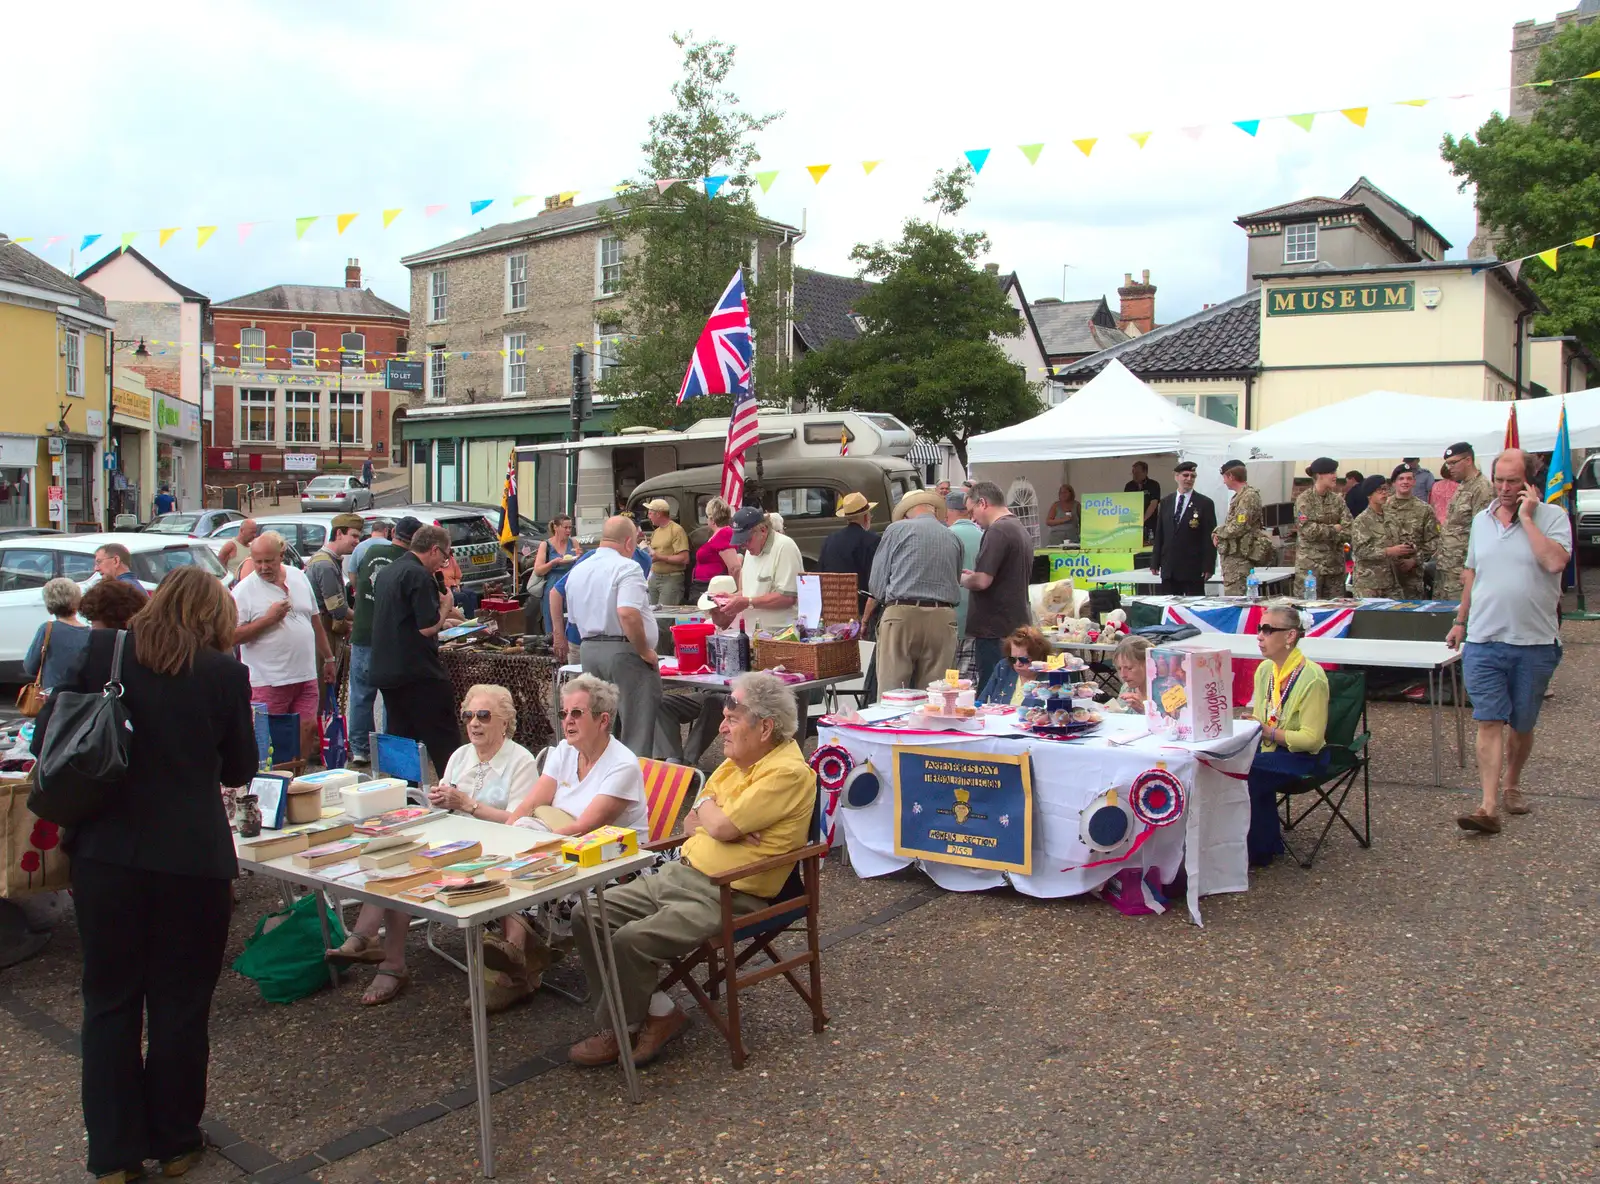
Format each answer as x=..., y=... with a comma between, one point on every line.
x=152, y=869
x=57, y=647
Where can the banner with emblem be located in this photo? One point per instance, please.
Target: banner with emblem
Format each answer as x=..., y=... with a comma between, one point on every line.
x=966, y=808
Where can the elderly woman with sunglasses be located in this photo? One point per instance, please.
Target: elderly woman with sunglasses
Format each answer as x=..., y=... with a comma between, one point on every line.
x=1291, y=704
x=1024, y=647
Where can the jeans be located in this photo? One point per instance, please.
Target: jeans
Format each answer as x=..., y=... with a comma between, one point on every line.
x=363, y=697
x=1271, y=770
x=986, y=652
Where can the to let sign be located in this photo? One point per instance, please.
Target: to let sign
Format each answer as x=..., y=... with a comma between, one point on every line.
x=1400, y=296
x=402, y=376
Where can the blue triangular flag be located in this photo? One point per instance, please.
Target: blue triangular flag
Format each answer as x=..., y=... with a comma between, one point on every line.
x=713, y=184
x=977, y=158
x=88, y=241
x=482, y=205
x=1247, y=126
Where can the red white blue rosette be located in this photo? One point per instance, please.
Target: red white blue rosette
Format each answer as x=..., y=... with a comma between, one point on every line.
x=1157, y=797
x=832, y=764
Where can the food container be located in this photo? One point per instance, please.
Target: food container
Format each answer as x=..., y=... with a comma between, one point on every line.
x=374, y=797
x=304, y=805
x=332, y=783
x=821, y=659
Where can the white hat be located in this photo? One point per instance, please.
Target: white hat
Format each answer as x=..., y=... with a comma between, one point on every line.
x=719, y=586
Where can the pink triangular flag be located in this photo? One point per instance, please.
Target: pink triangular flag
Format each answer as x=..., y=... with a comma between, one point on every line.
x=666, y=183
x=244, y=230
x=1194, y=133
x=430, y=211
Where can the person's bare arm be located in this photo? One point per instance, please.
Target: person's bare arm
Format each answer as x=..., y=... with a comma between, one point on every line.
x=976, y=581
x=1551, y=555
x=324, y=650
x=632, y=622
x=1458, y=631
x=602, y=810
x=558, y=630
x=708, y=816
x=733, y=561
x=447, y=604
x=675, y=561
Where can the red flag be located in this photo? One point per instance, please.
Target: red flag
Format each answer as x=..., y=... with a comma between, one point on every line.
x=1513, y=440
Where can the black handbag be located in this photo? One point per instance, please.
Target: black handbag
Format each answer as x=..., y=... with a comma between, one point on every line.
x=84, y=754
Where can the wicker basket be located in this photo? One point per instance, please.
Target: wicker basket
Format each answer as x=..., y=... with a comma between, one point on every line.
x=841, y=599
x=826, y=659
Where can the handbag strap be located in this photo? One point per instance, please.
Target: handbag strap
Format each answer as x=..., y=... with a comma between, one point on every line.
x=44, y=652
x=114, y=683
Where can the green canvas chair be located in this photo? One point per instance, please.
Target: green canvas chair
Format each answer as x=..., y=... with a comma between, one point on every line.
x=1347, y=740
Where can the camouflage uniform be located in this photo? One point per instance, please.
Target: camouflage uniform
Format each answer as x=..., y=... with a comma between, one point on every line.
x=1411, y=521
x=1324, y=526
x=1238, y=539
x=1466, y=503
x=1370, y=534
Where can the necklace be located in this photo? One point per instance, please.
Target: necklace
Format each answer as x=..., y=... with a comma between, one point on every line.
x=1283, y=680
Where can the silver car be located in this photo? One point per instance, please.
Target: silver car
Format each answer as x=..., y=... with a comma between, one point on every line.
x=341, y=493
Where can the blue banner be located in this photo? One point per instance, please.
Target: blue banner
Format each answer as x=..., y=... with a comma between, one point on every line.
x=966, y=808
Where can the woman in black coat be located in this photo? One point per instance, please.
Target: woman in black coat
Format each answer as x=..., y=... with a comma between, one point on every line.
x=151, y=875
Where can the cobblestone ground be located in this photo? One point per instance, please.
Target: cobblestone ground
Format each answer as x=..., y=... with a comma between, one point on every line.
x=1421, y=1010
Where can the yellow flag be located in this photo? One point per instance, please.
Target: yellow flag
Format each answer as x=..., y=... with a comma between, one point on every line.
x=344, y=221
x=1139, y=137
x=1412, y=103
x=1303, y=121
x=1031, y=151
x=1549, y=257
x=389, y=216
x=868, y=165
x=167, y=233
x=1358, y=115
x=568, y=194
x=202, y=233
x=818, y=171
x=1593, y=74
x=1087, y=146
x=522, y=197
x=1586, y=241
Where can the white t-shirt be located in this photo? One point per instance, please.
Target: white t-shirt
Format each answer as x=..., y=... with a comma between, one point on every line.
x=502, y=782
x=287, y=652
x=599, y=586
x=616, y=775
x=776, y=569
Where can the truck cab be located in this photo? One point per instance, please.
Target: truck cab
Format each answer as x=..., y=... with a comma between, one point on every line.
x=1588, y=503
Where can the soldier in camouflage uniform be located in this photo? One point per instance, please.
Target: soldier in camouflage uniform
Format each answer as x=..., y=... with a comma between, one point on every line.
x=1323, y=521
x=1373, y=545
x=1469, y=500
x=1412, y=522
x=1240, y=536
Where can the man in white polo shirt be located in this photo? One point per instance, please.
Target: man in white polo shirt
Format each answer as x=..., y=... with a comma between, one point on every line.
x=769, y=587
x=608, y=603
x=1509, y=618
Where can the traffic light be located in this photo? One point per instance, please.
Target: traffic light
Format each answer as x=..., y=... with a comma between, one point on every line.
x=582, y=396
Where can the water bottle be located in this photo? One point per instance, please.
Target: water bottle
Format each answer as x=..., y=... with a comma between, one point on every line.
x=1252, y=585
x=1311, y=585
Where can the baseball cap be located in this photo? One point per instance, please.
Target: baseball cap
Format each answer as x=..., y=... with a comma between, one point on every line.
x=405, y=528
x=956, y=499
x=1323, y=464
x=1461, y=449
x=744, y=522
x=658, y=505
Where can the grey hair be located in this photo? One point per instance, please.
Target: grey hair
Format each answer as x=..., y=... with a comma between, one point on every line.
x=1288, y=614
x=603, y=695
x=987, y=491
x=766, y=696
x=62, y=596
x=1133, y=648
x=501, y=703
x=272, y=538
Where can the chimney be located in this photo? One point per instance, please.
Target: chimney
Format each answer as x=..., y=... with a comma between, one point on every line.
x=992, y=268
x=1138, y=312
x=352, y=273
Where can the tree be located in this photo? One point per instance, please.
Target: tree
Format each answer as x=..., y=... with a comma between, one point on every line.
x=928, y=354
x=684, y=245
x=1538, y=183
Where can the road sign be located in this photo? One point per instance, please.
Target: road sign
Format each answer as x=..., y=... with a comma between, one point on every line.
x=56, y=494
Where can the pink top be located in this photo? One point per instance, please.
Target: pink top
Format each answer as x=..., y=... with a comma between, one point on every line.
x=708, y=559
x=1439, y=496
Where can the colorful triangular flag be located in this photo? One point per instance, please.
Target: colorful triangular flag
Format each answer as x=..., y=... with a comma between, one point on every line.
x=665, y=184
x=1411, y=103
x=202, y=235
x=27, y=238
x=244, y=230
x=868, y=165
x=1195, y=132
x=1356, y=115
x=481, y=204
x=568, y=194
x=713, y=184
x=166, y=234
x=520, y=198
x=1139, y=137
x=818, y=171
x=766, y=179
x=53, y=240
x=88, y=241
x=127, y=239
x=344, y=221
x=1593, y=74
x=1549, y=257
x=1587, y=240
x=1303, y=121
x=390, y=215
x=301, y=225
x=1031, y=151
x=1248, y=126
x=1087, y=146
x=977, y=158
x=430, y=211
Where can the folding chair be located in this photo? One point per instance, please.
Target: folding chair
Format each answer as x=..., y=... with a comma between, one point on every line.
x=1347, y=739
x=856, y=688
x=744, y=937
x=668, y=791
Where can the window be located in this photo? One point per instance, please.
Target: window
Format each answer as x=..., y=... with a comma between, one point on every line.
x=438, y=289
x=516, y=282
x=22, y=569
x=436, y=360
x=353, y=352
x=1223, y=409
x=76, y=565
x=252, y=347
x=303, y=350
x=257, y=417
x=75, y=363
x=607, y=351
x=805, y=503
x=349, y=417
x=516, y=364
x=827, y=433
x=608, y=277
x=302, y=416
x=752, y=271
x=419, y=452
x=1300, y=243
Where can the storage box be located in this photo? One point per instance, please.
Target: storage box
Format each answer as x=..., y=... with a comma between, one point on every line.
x=374, y=797
x=1190, y=693
x=600, y=846
x=822, y=659
x=506, y=614
x=332, y=783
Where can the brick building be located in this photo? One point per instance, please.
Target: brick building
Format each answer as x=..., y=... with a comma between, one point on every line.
x=301, y=368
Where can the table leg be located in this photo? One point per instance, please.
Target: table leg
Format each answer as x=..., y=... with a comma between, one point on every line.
x=612, y=988
x=1458, y=689
x=286, y=893
x=1434, y=686
x=327, y=936
x=480, y=1046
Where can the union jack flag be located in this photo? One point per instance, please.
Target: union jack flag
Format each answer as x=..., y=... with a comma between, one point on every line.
x=1236, y=618
x=721, y=366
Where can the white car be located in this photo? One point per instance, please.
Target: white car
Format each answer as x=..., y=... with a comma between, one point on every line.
x=28, y=562
x=341, y=493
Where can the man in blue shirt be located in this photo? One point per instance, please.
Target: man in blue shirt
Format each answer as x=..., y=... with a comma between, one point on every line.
x=115, y=562
x=165, y=503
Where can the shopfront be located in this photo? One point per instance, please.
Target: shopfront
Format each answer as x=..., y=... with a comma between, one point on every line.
x=133, y=441
x=177, y=426
x=19, y=457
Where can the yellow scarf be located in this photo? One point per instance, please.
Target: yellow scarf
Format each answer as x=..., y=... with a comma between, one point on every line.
x=1282, y=680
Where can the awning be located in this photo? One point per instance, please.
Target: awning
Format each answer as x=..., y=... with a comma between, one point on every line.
x=925, y=453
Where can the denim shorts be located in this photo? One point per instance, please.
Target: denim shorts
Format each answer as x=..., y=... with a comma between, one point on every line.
x=1507, y=682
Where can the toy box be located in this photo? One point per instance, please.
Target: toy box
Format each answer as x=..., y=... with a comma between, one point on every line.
x=1189, y=693
x=601, y=845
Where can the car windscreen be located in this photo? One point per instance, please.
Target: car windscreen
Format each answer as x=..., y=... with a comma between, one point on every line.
x=153, y=566
x=326, y=485
x=173, y=524
x=471, y=529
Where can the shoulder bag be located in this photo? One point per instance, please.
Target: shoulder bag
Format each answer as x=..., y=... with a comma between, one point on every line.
x=84, y=755
x=30, y=699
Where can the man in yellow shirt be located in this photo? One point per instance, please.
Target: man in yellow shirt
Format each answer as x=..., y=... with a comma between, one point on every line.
x=758, y=804
x=669, y=555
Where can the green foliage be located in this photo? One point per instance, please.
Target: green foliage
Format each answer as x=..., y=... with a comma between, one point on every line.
x=1538, y=183
x=928, y=355
x=681, y=248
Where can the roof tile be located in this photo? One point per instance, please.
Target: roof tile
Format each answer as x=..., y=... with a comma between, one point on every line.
x=319, y=299
x=22, y=266
x=1224, y=339
x=823, y=305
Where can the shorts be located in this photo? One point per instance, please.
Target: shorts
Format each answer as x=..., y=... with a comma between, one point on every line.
x=292, y=698
x=1507, y=682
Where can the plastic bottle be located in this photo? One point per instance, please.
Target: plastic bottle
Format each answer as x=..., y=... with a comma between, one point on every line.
x=1311, y=585
x=1252, y=585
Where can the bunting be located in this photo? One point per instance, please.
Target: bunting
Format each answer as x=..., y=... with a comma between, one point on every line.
x=818, y=171
x=522, y=197
x=202, y=235
x=1356, y=115
x=766, y=179
x=301, y=225
x=713, y=184
x=1139, y=138
x=344, y=221
x=430, y=211
x=166, y=235
x=1086, y=146
x=127, y=239
x=1303, y=121
x=1549, y=257
x=1248, y=126
x=89, y=240
x=977, y=158
x=389, y=216
x=1031, y=151
x=481, y=205
x=868, y=165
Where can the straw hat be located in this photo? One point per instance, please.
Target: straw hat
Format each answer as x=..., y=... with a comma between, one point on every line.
x=920, y=497
x=852, y=504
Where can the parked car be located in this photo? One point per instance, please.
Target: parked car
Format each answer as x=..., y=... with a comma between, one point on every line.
x=17, y=532
x=304, y=532
x=197, y=524
x=216, y=543
x=28, y=562
x=1588, y=505
x=334, y=491
x=805, y=490
x=472, y=538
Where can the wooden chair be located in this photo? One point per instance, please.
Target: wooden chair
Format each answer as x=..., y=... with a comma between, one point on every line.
x=744, y=937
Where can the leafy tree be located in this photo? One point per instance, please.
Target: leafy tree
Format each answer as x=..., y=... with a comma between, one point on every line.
x=928, y=355
x=1538, y=183
x=682, y=246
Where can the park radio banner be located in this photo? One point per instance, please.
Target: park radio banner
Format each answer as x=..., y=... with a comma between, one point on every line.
x=1112, y=522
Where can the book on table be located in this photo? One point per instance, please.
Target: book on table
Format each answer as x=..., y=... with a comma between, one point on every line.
x=401, y=819
x=392, y=856
x=391, y=881
x=448, y=853
x=336, y=852
x=518, y=868
x=471, y=892
x=274, y=846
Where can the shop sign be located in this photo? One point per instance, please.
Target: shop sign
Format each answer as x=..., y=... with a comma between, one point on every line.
x=1400, y=296
x=300, y=462
x=94, y=422
x=174, y=417
x=130, y=403
x=1084, y=568
x=19, y=451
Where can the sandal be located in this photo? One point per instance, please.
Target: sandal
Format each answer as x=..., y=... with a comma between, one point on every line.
x=377, y=996
x=358, y=947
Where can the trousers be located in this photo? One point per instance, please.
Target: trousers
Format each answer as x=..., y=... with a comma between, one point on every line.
x=153, y=944
x=987, y=654
x=1183, y=587
x=1235, y=574
x=666, y=587
x=425, y=711
x=639, y=687
x=704, y=712
x=915, y=645
x=1270, y=771
x=362, y=709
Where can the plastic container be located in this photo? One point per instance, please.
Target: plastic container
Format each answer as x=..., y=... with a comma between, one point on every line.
x=689, y=645
x=374, y=797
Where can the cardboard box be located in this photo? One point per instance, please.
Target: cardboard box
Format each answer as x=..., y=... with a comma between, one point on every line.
x=600, y=846
x=1190, y=693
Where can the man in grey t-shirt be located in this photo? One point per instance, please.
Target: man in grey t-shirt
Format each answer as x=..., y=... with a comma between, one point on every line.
x=999, y=580
x=1509, y=617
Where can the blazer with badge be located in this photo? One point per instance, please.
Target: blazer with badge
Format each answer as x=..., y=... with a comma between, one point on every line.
x=1184, y=550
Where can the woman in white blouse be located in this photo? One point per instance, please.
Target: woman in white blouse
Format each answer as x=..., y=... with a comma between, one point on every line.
x=591, y=778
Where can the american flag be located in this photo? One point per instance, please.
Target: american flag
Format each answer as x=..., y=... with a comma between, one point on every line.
x=721, y=366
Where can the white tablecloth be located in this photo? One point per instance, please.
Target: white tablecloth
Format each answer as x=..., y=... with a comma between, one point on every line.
x=1209, y=841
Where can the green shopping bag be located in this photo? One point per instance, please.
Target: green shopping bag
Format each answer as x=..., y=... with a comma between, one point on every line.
x=286, y=961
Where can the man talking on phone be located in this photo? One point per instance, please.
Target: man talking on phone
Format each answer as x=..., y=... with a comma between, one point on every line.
x=1509, y=618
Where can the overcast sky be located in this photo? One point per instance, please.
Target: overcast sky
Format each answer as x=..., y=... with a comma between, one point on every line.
x=123, y=117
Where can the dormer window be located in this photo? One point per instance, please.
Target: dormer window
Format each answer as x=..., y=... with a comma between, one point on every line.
x=1300, y=242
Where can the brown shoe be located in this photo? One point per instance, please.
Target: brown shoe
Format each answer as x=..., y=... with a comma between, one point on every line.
x=502, y=990
x=658, y=1032
x=178, y=1165
x=1516, y=803
x=502, y=955
x=1481, y=821
x=599, y=1049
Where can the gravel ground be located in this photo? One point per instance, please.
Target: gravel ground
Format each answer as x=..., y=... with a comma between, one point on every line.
x=1420, y=1010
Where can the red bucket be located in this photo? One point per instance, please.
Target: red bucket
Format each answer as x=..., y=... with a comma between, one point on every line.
x=689, y=644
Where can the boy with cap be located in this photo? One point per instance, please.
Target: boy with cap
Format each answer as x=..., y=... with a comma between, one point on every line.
x=1323, y=521
x=1185, y=554
x=669, y=555
x=1473, y=494
x=1241, y=537
x=1411, y=523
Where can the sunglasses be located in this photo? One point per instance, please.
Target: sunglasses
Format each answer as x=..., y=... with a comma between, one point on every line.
x=1022, y=658
x=482, y=717
x=1264, y=630
x=575, y=713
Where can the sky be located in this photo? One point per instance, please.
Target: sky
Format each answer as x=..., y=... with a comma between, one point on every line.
x=138, y=117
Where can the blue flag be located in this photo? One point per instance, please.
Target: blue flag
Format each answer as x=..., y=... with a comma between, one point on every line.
x=1558, y=481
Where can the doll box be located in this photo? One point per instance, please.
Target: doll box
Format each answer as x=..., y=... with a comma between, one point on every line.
x=1190, y=693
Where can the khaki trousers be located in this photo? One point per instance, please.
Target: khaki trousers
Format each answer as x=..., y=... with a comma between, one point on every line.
x=652, y=920
x=1235, y=574
x=915, y=645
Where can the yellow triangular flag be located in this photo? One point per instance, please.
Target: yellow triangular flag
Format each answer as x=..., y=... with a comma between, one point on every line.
x=818, y=171
x=1139, y=137
x=390, y=215
x=167, y=233
x=1031, y=151
x=1549, y=257
x=1358, y=115
x=1593, y=74
x=522, y=197
x=1586, y=241
x=201, y=234
x=568, y=194
x=1087, y=146
x=344, y=221
x=868, y=165
x=1303, y=121
x=1412, y=103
